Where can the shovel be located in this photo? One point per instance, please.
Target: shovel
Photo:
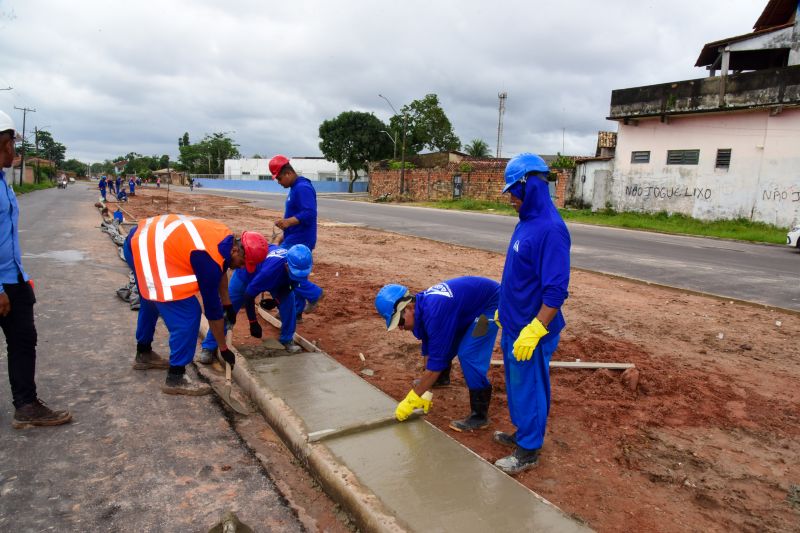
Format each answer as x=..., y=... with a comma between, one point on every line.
x=481, y=326
x=224, y=392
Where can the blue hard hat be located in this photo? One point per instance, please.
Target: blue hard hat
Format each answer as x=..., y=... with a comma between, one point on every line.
x=519, y=166
x=300, y=262
x=386, y=302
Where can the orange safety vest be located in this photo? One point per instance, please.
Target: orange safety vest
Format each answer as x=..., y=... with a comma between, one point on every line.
x=161, y=249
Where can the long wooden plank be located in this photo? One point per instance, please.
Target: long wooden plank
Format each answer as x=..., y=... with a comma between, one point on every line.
x=579, y=364
x=308, y=346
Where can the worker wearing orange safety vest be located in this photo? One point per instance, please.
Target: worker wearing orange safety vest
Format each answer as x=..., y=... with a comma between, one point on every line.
x=175, y=257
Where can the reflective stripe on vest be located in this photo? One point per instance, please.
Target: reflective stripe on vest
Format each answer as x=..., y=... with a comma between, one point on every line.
x=152, y=239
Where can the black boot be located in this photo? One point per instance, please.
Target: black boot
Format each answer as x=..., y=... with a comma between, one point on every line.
x=479, y=400
x=444, y=377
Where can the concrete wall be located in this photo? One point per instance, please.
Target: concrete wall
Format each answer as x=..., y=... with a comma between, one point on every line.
x=762, y=182
x=313, y=168
x=591, y=179
x=247, y=167
x=273, y=186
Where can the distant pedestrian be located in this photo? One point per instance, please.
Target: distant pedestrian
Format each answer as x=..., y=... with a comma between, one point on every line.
x=158, y=182
x=299, y=224
x=191, y=184
x=16, y=303
x=102, y=185
x=532, y=291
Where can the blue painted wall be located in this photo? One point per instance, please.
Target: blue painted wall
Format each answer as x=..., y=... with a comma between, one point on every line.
x=273, y=186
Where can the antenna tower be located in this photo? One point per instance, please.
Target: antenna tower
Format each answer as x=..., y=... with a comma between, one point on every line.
x=500, y=112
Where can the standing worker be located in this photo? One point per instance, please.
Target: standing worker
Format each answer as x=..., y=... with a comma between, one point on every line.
x=532, y=291
x=175, y=257
x=16, y=303
x=132, y=186
x=102, y=184
x=444, y=318
x=278, y=274
x=111, y=187
x=119, y=184
x=299, y=224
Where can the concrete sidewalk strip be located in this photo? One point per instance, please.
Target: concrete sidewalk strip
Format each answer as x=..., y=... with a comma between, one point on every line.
x=407, y=476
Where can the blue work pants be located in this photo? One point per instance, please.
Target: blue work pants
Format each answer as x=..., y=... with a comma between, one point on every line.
x=528, y=390
x=475, y=354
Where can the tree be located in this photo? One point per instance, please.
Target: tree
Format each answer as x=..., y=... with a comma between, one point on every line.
x=352, y=140
x=73, y=165
x=49, y=148
x=209, y=155
x=478, y=148
x=427, y=126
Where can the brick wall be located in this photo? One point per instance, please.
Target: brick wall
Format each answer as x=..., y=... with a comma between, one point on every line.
x=432, y=184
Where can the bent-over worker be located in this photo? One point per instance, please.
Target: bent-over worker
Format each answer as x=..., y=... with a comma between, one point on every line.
x=175, y=257
x=444, y=318
x=278, y=274
x=532, y=291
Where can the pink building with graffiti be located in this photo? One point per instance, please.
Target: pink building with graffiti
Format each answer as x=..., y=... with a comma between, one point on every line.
x=724, y=146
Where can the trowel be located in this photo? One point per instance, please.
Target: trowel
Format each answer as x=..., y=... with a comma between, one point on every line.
x=224, y=392
x=481, y=326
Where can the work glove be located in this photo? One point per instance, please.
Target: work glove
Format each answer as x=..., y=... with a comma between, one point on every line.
x=497, y=318
x=410, y=402
x=228, y=357
x=230, y=314
x=255, y=329
x=528, y=339
x=268, y=304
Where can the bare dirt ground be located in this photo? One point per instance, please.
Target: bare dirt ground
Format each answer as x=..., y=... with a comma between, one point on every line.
x=706, y=439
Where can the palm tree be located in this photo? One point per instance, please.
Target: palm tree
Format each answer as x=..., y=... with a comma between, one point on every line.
x=478, y=148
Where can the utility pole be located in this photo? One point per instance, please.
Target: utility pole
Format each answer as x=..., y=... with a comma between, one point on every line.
x=25, y=111
x=500, y=112
x=36, y=149
x=403, y=157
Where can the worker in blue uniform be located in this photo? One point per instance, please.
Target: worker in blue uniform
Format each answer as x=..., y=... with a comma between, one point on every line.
x=102, y=185
x=299, y=225
x=279, y=275
x=119, y=184
x=444, y=318
x=532, y=291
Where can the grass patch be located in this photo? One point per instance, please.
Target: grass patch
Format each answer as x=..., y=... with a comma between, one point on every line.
x=470, y=204
x=29, y=187
x=739, y=229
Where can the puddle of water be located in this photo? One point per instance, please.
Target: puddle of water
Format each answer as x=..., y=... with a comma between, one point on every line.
x=63, y=256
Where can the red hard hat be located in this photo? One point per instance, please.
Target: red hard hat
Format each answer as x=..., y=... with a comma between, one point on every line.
x=255, y=249
x=277, y=163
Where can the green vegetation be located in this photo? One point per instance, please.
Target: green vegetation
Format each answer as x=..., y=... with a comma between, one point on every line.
x=478, y=148
x=740, y=229
x=427, y=125
x=28, y=187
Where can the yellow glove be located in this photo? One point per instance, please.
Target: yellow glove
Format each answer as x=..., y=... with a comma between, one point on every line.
x=497, y=318
x=528, y=339
x=410, y=402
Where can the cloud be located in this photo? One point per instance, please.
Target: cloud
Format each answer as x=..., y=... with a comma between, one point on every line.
x=107, y=78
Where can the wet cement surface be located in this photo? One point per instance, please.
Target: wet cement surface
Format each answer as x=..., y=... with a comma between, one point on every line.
x=133, y=459
x=428, y=480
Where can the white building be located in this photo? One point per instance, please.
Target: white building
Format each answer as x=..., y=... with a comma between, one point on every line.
x=725, y=146
x=313, y=168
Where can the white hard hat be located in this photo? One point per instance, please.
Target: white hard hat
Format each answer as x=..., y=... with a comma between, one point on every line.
x=6, y=123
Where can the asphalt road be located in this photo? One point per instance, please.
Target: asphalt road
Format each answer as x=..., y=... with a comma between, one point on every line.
x=133, y=459
x=759, y=273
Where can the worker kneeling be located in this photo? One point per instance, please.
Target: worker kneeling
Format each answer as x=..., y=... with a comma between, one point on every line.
x=175, y=257
x=279, y=274
x=450, y=318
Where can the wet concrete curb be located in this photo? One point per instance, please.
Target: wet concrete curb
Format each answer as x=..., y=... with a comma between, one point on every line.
x=338, y=482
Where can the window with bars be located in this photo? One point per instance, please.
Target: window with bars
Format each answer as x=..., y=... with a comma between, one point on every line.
x=683, y=157
x=723, y=158
x=640, y=156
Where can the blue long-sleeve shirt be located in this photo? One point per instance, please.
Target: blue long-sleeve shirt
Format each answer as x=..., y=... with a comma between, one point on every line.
x=444, y=313
x=270, y=276
x=301, y=202
x=10, y=255
x=102, y=184
x=536, y=271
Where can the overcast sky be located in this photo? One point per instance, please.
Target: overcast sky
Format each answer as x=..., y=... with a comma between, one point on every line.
x=108, y=77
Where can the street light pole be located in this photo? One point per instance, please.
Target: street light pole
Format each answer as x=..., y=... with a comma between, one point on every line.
x=403, y=157
x=25, y=111
x=394, y=142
